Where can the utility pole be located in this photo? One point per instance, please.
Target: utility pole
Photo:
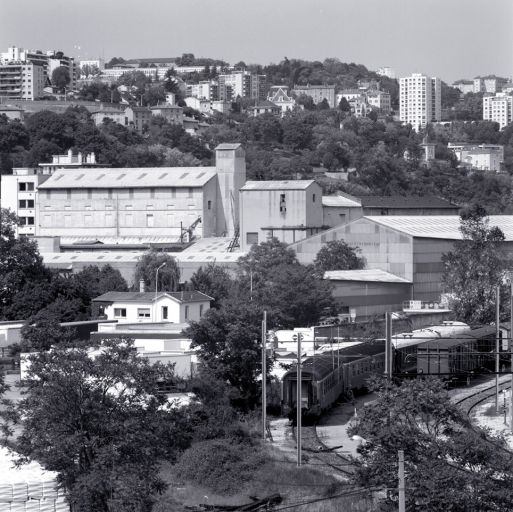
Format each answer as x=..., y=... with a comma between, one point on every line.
x=401, y=488
x=298, y=337
x=388, y=345
x=497, y=345
x=264, y=376
x=511, y=349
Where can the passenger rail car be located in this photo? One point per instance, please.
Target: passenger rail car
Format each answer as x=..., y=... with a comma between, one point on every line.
x=325, y=377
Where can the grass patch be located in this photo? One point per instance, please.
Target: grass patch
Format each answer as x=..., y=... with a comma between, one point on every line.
x=222, y=472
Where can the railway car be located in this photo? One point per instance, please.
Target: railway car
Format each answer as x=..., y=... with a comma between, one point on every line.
x=326, y=376
x=457, y=357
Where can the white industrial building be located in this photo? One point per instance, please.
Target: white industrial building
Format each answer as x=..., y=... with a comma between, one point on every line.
x=106, y=202
x=483, y=157
x=287, y=210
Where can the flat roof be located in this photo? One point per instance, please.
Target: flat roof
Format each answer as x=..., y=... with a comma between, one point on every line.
x=277, y=185
x=372, y=275
x=192, y=296
x=438, y=226
x=137, y=177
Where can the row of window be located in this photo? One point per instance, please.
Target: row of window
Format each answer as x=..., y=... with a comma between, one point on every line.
x=101, y=195
x=24, y=186
x=26, y=203
x=146, y=312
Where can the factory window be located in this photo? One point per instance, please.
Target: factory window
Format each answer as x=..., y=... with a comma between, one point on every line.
x=251, y=238
x=186, y=312
x=283, y=206
x=201, y=310
x=209, y=205
x=191, y=190
x=109, y=193
x=173, y=192
x=152, y=193
x=143, y=313
x=164, y=312
x=120, y=312
x=88, y=220
x=68, y=193
x=149, y=220
x=48, y=194
x=131, y=193
x=89, y=193
x=313, y=198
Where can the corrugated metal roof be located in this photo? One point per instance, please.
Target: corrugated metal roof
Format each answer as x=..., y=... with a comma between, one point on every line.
x=340, y=201
x=375, y=275
x=438, y=226
x=182, y=297
x=137, y=177
x=278, y=185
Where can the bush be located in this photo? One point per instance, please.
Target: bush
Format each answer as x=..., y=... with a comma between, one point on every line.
x=224, y=465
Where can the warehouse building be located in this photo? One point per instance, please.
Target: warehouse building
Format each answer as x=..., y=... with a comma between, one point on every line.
x=409, y=247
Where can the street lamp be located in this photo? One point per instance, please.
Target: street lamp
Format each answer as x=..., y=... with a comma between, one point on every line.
x=157, y=278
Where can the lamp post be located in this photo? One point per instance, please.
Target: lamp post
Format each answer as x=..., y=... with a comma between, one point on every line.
x=157, y=278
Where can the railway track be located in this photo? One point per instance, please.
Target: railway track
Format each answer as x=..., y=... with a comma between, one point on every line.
x=469, y=402
x=316, y=453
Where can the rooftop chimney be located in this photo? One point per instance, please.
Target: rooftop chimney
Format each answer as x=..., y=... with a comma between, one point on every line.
x=141, y=285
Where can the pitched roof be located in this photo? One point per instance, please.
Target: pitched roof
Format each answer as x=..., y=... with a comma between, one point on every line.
x=340, y=201
x=277, y=185
x=181, y=297
x=405, y=202
x=369, y=275
x=137, y=177
x=438, y=226
x=4, y=108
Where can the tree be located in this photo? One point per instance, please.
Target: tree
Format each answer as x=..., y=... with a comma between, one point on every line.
x=337, y=255
x=146, y=268
x=213, y=280
x=42, y=331
x=344, y=105
x=60, y=78
x=229, y=346
x=100, y=423
x=450, y=465
x=98, y=281
x=473, y=269
x=289, y=291
x=20, y=262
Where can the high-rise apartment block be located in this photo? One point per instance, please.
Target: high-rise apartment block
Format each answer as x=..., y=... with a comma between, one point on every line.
x=242, y=84
x=420, y=100
x=35, y=63
x=21, y=81
x=498, y=108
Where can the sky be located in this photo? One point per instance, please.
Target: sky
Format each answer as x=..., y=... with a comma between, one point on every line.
x=451, y=39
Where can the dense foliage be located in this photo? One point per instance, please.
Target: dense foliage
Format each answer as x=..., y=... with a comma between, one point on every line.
x=449, y=464
x=474, y=268
x=100, y=423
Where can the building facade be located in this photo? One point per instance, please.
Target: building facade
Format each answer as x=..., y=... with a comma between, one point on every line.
x=287, y=210
x=181, y=202
x=242, y=84
x=483, y=157
x=318, y=93
x=498, y=108
x=419, y=100
x=21, y=80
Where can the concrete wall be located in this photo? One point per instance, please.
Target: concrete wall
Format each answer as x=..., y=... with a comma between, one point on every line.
x=337, y=215
x=93, y=212
x=231, y=177
x=261, y=209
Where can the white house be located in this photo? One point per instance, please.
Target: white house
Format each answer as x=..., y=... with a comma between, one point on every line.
x=172, y=307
